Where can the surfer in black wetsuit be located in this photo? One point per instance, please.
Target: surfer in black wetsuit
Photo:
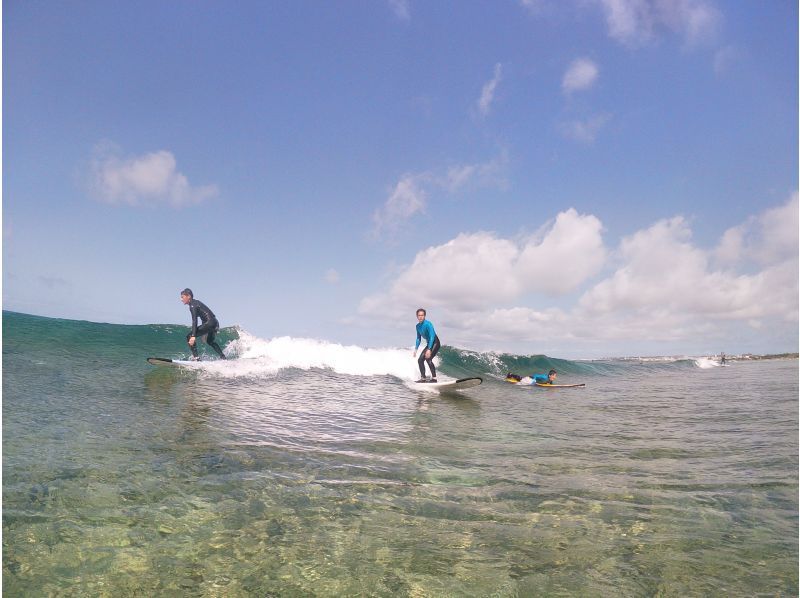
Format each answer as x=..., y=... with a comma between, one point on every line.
x=208, y=328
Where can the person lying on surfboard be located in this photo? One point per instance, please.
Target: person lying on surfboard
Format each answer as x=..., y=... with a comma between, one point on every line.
x=425, y=330
x=208, y=328
x=550, y=378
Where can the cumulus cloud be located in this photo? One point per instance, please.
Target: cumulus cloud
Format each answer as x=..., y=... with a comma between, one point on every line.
x=571, y=249
x=637, y=22
x=473, y=272
x=148, y=179
x=657, y=285
x=660, y=267
x=410, y=194
x=580, y=75
x=663, y=271
x=767, y=238
x=487, y=94
x=470, y=272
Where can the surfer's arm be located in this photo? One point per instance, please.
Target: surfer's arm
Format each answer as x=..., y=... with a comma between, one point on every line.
x=193, y=314
x=431, y=335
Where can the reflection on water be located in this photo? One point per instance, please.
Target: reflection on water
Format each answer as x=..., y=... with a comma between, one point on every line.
x=316, y=483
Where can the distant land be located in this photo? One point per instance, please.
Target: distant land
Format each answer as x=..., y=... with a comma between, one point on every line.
x=750, y=356
x=717, y=357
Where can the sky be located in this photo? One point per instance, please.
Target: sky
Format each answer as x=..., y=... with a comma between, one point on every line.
x=575, y=178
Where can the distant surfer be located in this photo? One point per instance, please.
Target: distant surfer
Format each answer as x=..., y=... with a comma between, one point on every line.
x=209, y=326
x=425, y=330
x=722, y=358
x=550, y=378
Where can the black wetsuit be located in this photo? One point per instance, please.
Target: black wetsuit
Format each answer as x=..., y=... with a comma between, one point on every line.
x=422, y=359
x=209, y=326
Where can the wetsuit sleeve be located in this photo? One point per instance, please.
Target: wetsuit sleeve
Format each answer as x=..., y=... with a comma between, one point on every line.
x=431, y=336
x=416, y=346
x=193, y=314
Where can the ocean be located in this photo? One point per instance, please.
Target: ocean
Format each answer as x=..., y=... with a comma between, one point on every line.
x=308, y=468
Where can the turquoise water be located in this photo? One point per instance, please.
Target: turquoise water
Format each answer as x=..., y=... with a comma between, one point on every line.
x=282, y=473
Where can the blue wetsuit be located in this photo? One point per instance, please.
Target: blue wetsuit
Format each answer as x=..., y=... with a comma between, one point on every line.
x=425, y=330
x=540, y=379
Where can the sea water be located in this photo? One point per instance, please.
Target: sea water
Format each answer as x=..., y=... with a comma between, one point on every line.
x=307, y=468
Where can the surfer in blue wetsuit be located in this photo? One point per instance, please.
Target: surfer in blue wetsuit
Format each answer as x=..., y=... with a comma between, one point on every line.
x=209, y=325
x=550, y=378
x=425, y=330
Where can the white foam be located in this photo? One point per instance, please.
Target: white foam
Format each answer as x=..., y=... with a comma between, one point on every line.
x=253, y=356
x=706, y=363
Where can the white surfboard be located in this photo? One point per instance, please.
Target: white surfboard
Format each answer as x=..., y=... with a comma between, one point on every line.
x=165, y=361
x=446, y=385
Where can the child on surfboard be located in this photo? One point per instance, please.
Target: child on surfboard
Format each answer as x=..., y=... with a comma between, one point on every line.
x=425, y=330
x=550, y=378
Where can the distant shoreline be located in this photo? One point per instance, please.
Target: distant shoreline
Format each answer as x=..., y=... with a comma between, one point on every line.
x=749, y=357
x=739, y=357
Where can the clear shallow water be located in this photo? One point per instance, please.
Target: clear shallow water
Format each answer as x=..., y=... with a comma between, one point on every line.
x=124, y=479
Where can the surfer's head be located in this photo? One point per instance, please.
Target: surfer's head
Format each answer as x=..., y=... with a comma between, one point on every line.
x=187, y=295
x=551, y=375
x=421, y=313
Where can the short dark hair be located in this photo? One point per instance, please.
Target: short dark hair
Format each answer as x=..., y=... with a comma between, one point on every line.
x=424, y=313
x=551, y=372
x=187, y=292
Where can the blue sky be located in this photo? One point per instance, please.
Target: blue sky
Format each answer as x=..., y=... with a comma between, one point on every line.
x=577, y=178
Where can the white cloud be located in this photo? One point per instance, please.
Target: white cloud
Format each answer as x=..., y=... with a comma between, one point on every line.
x=409, y=196
x=765, y=239
x=637, y=22
x=534, y=6
x=729, y=250
x=552, y=262
x=628, y=20
x=777, y=233
x=660, y=266
x=585, y=131
x=580, y=75
x=149, y=179
x=658, y=287
x=469, y=272
x=487, y=94
x=482, y=174
x=662, y=271
x=401, y=9
x=697, y=20
x=473, y=272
